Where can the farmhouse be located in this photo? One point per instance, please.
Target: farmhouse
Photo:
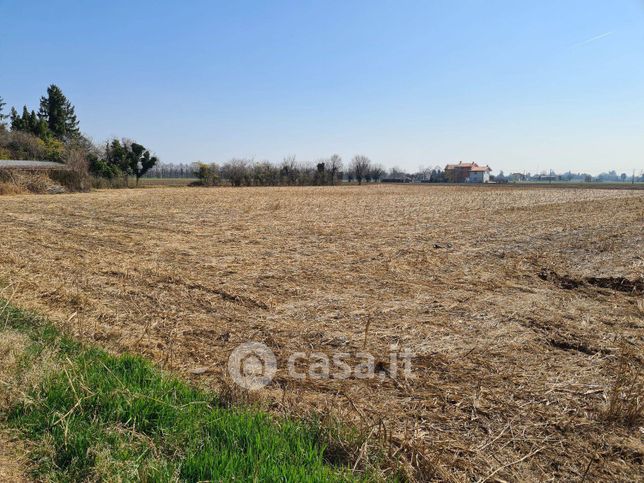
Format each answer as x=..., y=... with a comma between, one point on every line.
x=467, y=173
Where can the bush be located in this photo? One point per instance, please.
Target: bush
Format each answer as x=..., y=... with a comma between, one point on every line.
x=22, y=145
x=237, y=172
x=71, y=180
x=4, y=153
x=207, y=174
x=100, y=168
x=54, y=150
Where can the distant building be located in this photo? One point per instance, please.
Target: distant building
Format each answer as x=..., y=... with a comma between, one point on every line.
x=467, y=173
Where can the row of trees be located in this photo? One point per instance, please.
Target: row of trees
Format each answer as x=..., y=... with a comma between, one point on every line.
x=329, y=171
x=53, y=134
x=47, y=134
x=56, y=117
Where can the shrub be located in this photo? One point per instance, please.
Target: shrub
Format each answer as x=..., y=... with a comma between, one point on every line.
x=102, y=169
x=22, y=145
x=207, y=174
x=54, y=150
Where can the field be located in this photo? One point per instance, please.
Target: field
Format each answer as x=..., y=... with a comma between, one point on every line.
x=173, y=182
x=523, y=307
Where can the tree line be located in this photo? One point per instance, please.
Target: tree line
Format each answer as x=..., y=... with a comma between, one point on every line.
x=289, y=172
x=53, y=134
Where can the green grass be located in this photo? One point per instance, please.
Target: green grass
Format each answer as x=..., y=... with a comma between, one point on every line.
x=96, y=416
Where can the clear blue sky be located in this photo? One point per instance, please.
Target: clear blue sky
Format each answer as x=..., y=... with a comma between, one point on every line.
x=521, y=85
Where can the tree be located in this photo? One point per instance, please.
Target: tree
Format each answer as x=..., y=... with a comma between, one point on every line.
x=335, y=167
x=320, y=173
x=16, y=120
x=208, y=174
x=289, y=171
x=116, y=156
x=101, y=168
x=376, y=172
x=139, y=160
x=2, y=116
x=58, y=113
x=127, y=157
x=438, y=175
x=29, y=122
x=360, y=166
x=237, y=171
x=265, y=174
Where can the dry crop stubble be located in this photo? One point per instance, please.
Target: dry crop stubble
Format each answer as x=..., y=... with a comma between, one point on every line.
x=512, y=371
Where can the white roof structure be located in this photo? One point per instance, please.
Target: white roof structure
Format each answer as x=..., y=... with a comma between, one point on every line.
x=29, y=164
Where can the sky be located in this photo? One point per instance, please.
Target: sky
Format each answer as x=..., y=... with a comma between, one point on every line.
x=521, y=86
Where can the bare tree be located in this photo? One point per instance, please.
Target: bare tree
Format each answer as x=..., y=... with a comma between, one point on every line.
x=334, y=167
x=360, y=166
x=289, y=170
x=265, y=174
x=77, y=178
x=425, y=173
x=376, y=172
x=236, y=171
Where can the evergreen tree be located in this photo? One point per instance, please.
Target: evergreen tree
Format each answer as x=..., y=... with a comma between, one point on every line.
x=116, y=155
x=29, y=122
x=58, y=113
x=26, y=119
x=127, y=157
x=140, y=160
x=2, y=116
x=16, y=120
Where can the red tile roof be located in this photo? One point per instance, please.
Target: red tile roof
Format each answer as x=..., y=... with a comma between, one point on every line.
x=461, y=165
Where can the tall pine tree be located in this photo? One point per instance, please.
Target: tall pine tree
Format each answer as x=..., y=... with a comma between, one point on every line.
x=3, y=116
x=16, y=120
x=29, y=122
x=59, y=114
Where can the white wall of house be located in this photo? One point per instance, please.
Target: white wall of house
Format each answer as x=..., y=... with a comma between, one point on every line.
x=479, y=177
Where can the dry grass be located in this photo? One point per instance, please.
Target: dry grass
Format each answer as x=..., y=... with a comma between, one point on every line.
x=13, y=460
x=12, y=454
x=626, y=395
x=16, y=381
x=9, y=188
x=12, y=348
x=14, y=182
x=513, y=371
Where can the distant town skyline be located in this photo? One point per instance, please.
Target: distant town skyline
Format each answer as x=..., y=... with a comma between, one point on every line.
x=517, y=86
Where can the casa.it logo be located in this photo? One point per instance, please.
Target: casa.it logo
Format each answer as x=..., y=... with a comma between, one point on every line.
x=253, y=365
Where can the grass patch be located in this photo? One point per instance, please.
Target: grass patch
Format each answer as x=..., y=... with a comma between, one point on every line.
x=95, y=416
